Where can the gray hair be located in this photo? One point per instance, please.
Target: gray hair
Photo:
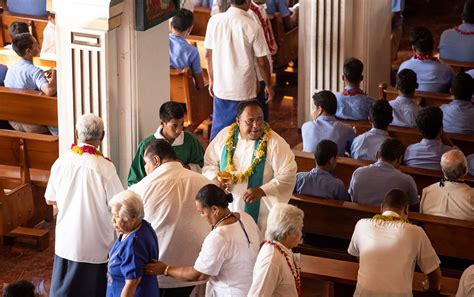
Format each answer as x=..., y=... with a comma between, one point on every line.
x=284, y=220
x=89, y=127
x=454, y=164
x=130, y=205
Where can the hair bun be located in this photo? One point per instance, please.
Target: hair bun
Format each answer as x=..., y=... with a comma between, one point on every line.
x=229, y=197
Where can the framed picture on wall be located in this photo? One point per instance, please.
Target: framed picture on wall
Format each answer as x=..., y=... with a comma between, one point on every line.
x=150, y=13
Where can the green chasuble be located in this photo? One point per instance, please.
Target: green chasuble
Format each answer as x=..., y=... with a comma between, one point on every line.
x=190, y=152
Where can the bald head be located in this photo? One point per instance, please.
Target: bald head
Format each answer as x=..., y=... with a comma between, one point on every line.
x=454, y=164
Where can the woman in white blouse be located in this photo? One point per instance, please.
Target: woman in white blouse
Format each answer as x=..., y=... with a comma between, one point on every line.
x=228, y=253
x=276, y=272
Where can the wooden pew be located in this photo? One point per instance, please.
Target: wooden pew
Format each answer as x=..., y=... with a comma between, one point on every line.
x=201, y=18
x=458, y=66
x=9, y=57
x=287, y=42
x=36, y=24
x=198, y=101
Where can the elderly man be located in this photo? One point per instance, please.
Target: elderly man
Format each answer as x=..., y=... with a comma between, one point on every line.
x=81, y=183
x=466, y=283
x=451, y=197
x=258, y=162
x=168, y=192
x=388, y=248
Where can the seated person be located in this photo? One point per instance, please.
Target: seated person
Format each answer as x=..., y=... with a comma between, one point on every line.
x=325, y=125
x=458, y=115
x=289, y=14
x=20, y=288
x=353, y=103
x=466, y=283
x=3, y=73
x=366, y=145
x=15, y=29
x=187, y=147
x=31, y=7
x=427, y=153
x=470, y=164
x=457, y=43
x=24, y=75
x=370, y=183
x=49, y=35
x=450, y=197
x=182, y=54
x=431, y=74
x=404, y=106
x=320, y=182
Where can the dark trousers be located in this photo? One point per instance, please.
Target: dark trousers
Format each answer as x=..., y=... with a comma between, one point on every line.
x=261, y=99
x=176, y=292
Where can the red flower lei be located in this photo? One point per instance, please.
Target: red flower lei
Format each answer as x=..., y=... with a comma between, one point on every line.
x=267, y=28
x=87, y=149
x=425, y=57
x=457, y=29
x=352, y=92
x=295, y=271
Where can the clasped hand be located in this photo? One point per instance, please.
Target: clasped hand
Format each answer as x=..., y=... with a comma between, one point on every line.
x=253, y=194
x=155, y=267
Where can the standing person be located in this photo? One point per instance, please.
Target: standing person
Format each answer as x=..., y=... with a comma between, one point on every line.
x=233, y=41
x=81, y=183
x=49, y=35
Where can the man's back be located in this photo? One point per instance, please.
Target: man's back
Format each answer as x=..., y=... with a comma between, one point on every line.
x=453, y=45
x=24, y=75
x=458, y=117
x=405, y=111
x=183, y=55
x=366, y=146
x=432, y=76
x=426, y=154
x=355, y=107
x=320, y=183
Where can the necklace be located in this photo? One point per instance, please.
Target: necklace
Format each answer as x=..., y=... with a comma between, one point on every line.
x=222, y=219
x=425, y=58
x=353, y=92
x=88, y=149
x=390, y=218
x=457, y=29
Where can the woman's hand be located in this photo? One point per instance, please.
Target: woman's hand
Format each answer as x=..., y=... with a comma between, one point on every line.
x=155, y=267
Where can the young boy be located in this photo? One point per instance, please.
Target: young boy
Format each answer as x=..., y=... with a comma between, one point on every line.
x=49, y=35
x=187, y=147
x=320, y=182
x=353, y=103
x=325, y=125
x=15, y=29
x=404, y=106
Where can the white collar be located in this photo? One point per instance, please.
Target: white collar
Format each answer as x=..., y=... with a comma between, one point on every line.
x=178, y=141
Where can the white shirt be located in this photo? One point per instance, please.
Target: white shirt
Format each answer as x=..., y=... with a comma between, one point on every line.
x=169, y=194
x=272, y=277
x=235, y=40
x=82, y=186
x=454, y=200
x=49, y=39
x=466, y=283
x=388, y=252
x=279, y=175
x=228, y=258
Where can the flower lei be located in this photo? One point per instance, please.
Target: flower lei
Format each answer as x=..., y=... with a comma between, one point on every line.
x=86, y=149
x=259, y=153
x=295, y=271
x=457, y=29
x=390, y=218
x=425, y=57
x=353, y=92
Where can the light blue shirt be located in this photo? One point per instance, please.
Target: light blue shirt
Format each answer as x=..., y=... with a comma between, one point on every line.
x=355, y=107
x=458, y=117
x=470, y=164
x=426, y=154
x=398, y=6
x=456, y=46
x=366, y=146
x=24, y=75
x=3, y=73
x=31, y=7
x=369, y=184
x=432, y=76
x=404, y=111
x=327, y=127
x=280, y=6
x=320, y=183
x=183, y=55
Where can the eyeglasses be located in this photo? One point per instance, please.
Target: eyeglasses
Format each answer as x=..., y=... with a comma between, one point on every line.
x=252, y=122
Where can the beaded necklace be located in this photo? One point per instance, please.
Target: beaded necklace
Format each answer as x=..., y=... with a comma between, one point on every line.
x=353, y=92
x=425, y=58
x=88, y=149
x=390, y=218
x=222, y=219
x=457, y=29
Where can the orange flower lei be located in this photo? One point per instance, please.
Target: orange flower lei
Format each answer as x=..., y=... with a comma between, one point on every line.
x=86, y=149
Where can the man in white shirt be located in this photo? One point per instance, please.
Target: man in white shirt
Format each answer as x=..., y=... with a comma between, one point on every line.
x=466, y=283
x=451, y=197
x=260, y=163
x=233, y=42
x=81, y=183
x=388, y=247
x=49, y=36
x=169, y=192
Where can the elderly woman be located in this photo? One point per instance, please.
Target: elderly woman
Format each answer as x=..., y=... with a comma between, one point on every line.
x=228, y=253
x=276, y=272
x=135, y=246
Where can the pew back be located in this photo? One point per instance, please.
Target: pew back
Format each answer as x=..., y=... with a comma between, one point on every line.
x=458, y=66
x=36, y=24
x=201, y=18
x=287, y=42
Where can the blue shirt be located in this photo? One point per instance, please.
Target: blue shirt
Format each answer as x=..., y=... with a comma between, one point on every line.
x=3, y=73
x=456, y=46
x=432, y=76
x=398, y=6
x=369, y=184
x=320, y=183
x=24, y=75
x=31, y=7
x=366, y=146
x=404, y=112
x=470, y=164
x=127, y=259
x=458, y=117
x=184, y=55
x=355, y=107
x=280, y=6
x=426, y=154
x=327, y=127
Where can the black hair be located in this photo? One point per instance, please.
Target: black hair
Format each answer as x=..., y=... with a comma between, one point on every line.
x=325, y=150
x=171, y=110
x=381, y=114
x=244, y=104
x=182, y=20
x=212, y=195
x=51, y=14
x=326, y=100
x=396, y=199
x=22, y=42
x=462, y=86
x=391, y=150
x=407, y=81
x=353, y=69
x=18, y=28
x=430, y=121
x=422, y=39
x=20, y=288
x=468, y=12
x=160, y=148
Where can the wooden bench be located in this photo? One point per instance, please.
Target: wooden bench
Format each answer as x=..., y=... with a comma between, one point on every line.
x=36, y=24
x=9, y=57
x=287, y=42
x=458, y=66
x=201, y=18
